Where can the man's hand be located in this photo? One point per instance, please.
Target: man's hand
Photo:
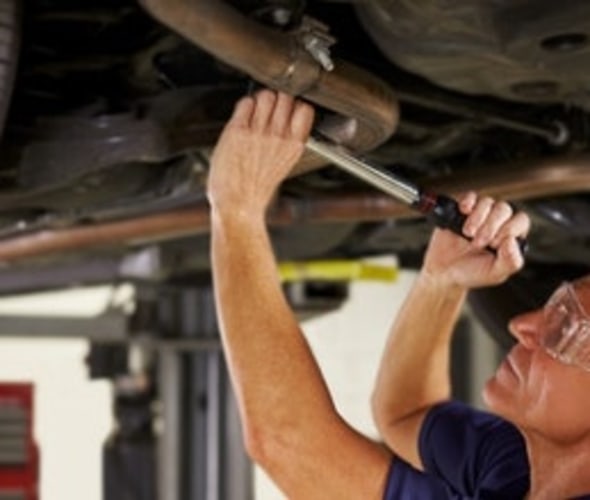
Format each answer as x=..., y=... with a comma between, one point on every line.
x=258, y=148
x=454, y=261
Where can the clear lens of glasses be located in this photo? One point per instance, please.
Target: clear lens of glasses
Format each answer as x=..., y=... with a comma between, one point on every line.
x=566, y=332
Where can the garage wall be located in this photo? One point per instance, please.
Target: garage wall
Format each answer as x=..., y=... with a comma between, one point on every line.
x=72, y=414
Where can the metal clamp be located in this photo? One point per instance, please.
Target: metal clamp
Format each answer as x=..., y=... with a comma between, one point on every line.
x=316, y=39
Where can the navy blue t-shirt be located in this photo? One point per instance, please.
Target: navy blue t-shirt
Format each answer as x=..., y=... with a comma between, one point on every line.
x=467, y=454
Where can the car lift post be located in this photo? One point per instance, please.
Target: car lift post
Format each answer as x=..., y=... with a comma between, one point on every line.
x=199, y=451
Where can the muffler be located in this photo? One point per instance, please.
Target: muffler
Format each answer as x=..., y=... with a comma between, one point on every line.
x=366, y=107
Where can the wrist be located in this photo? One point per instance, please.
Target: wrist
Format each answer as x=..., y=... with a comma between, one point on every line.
x=440, y=283
x=238, y=216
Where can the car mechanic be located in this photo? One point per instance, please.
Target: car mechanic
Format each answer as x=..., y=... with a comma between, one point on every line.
x=533, y=444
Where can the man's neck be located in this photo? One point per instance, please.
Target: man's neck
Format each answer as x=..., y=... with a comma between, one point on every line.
x=558, y=471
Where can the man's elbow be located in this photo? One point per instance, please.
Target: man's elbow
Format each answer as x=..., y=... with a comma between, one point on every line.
x=389, y=409
x=262, y=445
x=384, y=414
x=391, y=417
x=255, y=443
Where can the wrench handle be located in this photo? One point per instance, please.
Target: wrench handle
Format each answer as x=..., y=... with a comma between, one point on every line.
x=444, y=212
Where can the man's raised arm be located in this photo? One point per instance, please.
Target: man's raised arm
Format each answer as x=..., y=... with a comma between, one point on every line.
x=290, y=424
x=414, y=371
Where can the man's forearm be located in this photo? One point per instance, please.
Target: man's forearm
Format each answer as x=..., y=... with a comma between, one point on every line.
x=285, y=405
x=414, y=371
x=292, y=428
x=260, y=333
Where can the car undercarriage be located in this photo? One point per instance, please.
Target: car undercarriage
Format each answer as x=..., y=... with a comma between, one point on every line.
x=109, y=111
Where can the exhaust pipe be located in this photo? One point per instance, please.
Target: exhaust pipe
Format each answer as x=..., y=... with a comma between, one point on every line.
x=367, y=107
x=512, y=182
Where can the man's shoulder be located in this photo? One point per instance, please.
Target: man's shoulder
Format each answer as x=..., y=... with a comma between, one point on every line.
x=477, y=453
x=457, y=420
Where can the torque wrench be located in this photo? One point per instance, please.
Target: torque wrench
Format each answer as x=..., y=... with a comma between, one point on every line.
x=441, y=210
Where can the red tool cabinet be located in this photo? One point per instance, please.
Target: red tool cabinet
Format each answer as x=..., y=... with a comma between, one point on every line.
x=19, y=456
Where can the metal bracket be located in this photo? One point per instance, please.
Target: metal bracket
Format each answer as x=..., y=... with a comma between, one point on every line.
x=316, y=39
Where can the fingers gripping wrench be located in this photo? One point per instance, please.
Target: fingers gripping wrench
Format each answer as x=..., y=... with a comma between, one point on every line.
x=442, y=210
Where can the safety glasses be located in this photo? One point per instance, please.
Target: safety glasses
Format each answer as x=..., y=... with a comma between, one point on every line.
x=565, y=334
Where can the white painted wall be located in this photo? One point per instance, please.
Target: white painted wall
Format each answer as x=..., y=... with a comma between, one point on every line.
x=72, y=414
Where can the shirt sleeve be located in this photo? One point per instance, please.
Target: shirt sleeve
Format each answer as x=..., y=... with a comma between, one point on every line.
x=479, y=455
x=406, y=483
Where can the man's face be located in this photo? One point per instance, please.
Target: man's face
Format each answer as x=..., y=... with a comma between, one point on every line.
x=536, y=391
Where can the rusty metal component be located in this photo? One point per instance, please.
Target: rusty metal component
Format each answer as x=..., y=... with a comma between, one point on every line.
x=130, y=231
x=513, y=182
x=556, y=133
x=65, y=149
x=524, y=180
x=82, y=146
x=281, y=62
x=116, y=162
x=222, y=31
